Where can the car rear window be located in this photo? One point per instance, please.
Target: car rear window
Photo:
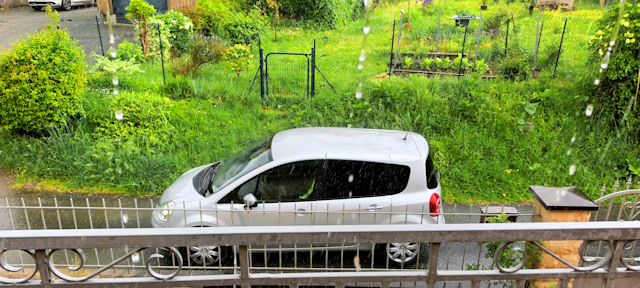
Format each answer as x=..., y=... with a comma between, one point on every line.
x=432, y=173
x=355, y=179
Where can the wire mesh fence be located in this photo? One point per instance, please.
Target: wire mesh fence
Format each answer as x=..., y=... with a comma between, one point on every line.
x=287, y=75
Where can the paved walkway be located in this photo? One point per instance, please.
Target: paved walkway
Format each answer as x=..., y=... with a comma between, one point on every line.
x=80, y=22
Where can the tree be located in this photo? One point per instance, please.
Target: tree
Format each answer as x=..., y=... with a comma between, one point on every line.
x=140, y=11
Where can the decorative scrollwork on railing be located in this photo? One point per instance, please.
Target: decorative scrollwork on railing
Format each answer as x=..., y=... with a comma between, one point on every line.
x=628, y=258
x=593, y=263
x=515, y=250
x=174, y=252
x=12, y=269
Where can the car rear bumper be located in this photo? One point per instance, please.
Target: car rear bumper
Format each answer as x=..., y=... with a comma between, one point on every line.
x=42, y=3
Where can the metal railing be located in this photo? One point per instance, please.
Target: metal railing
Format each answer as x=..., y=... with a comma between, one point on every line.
x=618, y=263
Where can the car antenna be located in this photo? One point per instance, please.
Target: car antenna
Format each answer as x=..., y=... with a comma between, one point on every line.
x=405, y=136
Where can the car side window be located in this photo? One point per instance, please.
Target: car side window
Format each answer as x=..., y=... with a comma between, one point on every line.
x=345, y=179
x=286, y=183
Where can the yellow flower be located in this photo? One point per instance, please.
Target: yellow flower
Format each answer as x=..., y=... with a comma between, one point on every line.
x=504, y=195
x=633, y=40
x=626, y=24
x=600, y=51
x=508, y=171
x=628, y=41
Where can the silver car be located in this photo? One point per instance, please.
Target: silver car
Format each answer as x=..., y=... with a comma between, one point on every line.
x=311, y=176
x=59, y=4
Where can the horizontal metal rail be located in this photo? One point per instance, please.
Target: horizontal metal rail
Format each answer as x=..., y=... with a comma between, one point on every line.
x=617, y=264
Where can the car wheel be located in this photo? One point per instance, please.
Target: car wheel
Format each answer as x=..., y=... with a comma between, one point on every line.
x=406, y=254
x=66, y=5
x=36, y=8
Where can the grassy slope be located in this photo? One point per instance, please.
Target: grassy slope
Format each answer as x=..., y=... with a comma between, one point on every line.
x=481, y=146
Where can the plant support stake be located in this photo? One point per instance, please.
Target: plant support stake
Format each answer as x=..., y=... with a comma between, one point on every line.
x=464, y=41
x=393, y=36
x=537, y=44
x=164, y=79
x=506, y=41
x=560, y=48
x=435, y=56
x=99, y=34
x=399, y=36
x=475, y=58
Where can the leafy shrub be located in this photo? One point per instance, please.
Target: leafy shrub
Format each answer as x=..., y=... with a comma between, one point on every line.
x=180, y=28
x=153, y=53
x=144, y=120
x=495, y=19
x=238, y=58
x=42, y=80
x=220, y=18
x=481, y=67
x=140, y=11
x=108, y=66
x=127, y=50
x=323, y=14
x=202, y=51
x=515, y=67
x=618, y=82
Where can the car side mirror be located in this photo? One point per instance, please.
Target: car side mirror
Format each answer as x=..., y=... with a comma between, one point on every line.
x=249, y=201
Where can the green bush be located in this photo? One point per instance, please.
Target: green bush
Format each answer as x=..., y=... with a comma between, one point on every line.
x=179, y=88
x=138, y=117
x=42, y=80
x=180, y=29
x=220, y=18
x=618, y=82
x=238, y=58
x=127, y=50
x=203, y=50
x=323, y=14
x=153, y=53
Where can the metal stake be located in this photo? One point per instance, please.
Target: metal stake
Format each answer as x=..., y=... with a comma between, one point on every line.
x=99, y=34
x=506, y=41
x=393, y=36
x=164, y=79
x=435, y=57
x=464, y=41
x=399, y=37
x=560, y=48
x=535, y=54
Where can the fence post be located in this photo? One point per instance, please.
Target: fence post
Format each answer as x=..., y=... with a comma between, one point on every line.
x=164, y=79
x=560, y=48
x=478, y=42
x=261, y=68
x=313, y=69
x=560, y=204
x=99, y=34
x=506, y=41
x=464, y=41
x=393, y=36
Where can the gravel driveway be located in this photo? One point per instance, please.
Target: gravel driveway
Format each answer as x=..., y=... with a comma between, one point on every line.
x=79, y=21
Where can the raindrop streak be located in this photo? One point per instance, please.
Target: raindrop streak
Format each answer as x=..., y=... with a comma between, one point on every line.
x=115, y=92
x=596, y=82
x=356, y=262
x=572, y=170
x=115, y=80
x=569, y=152
x=135, y=257
x=362, y=56
x=359, y=93
x=119, y=115
x=573, y=139
x=113, y=53
x=589, y=110
x=366, y=29
x=360, y=66
x=112, y=40
x=125, y=218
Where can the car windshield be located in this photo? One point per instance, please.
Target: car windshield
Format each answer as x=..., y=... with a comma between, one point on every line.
x=241, y=163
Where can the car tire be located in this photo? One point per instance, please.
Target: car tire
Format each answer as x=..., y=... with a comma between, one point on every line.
x=36, y=8
x=65, y=6
x=405, y=255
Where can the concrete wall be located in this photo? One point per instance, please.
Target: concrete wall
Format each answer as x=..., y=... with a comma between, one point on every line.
x=12, y=3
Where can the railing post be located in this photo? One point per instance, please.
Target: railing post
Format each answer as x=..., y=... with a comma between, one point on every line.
x=43, y=267
x=560, y=204
x=434, y=254
x=244, y=265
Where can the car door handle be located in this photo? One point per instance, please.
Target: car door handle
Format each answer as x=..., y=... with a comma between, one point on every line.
x=301, y=212
x=374, y=207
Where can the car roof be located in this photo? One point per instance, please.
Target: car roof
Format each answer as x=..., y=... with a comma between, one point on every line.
x=349, y=144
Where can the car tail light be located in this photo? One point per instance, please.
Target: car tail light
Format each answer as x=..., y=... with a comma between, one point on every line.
x=434, y=205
